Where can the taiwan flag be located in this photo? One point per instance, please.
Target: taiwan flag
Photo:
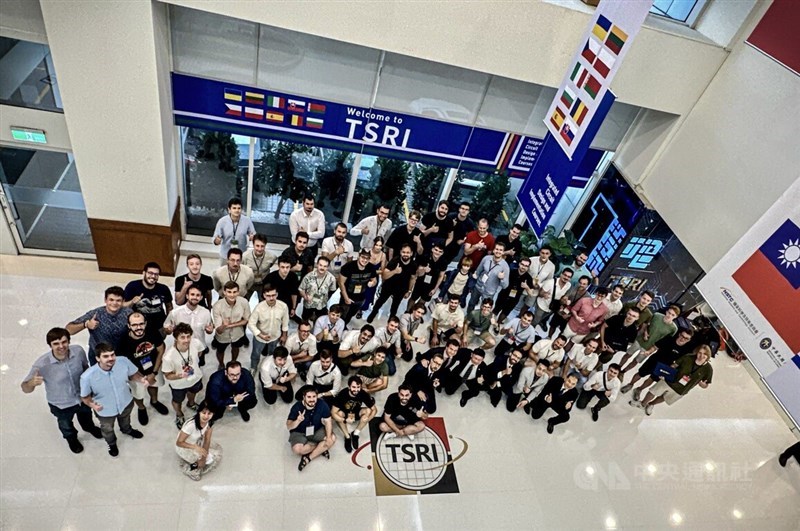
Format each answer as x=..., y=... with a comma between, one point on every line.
x=771, y=279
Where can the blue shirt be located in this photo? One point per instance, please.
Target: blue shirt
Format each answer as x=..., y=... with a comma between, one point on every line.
x=228, y=231
x=220, y=390
x=110, y=328
x=488, y=284
x=313, y=417
x=109, y=388
x=62, y=379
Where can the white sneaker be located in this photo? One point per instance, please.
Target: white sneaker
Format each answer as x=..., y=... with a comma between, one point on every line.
x=636, y=404
x=649, y=409
x=390, y=435
x=410, y=437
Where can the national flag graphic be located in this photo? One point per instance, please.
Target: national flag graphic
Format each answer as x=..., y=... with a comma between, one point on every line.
x=579, y=74
x=276, y=102
x=592, y=86
x=616, y=39
x=578, y=111
x=605, y=62
x=315, y=123
x=771, y=280
x=254, y=98
x=296, y=105
x=273, y=116
x=252, y=112
x=316, y=108
x=557, y=119
x=567, y=97
x=297, y=121
x=233, y=94
x=601, y=28
x=567, y=134
x=233, y=110
x=590, y=50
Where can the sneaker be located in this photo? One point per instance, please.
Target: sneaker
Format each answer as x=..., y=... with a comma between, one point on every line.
x=595, y=414
x=75, y=445
x=202, y=361
x=354, y=438
x=193, y=407
x=326, y=454
x=113, y=451
x=636, y=404
x=410, y=437
x=637, y=394
x=389, y=435
x=348, y=445
x=179, y=422
x=136, y=434
x=245, y=415
x=550, y=427
x=626, y=388
x=143, y=418
x=96, y=433
x=649, y=409
x=783, y=459
x=527, y=408
x=360, y=315
x=161, y=408
x=462, y=402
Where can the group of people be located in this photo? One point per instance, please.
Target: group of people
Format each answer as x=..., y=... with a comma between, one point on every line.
x=553, y=337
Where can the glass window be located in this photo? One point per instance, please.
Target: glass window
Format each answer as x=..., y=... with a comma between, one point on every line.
x=680, y=10
x=27, y=76
x=493, y=196
x=215, y=170
x=44, y=199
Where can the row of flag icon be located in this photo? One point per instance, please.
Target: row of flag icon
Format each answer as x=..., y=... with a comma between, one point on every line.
x=278, y=108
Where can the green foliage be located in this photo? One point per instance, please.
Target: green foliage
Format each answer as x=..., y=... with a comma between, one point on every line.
x=219, y=147
x=275, y=174
x=427, y=183
x=392, y=183
x=490, y=198
x=563, y=246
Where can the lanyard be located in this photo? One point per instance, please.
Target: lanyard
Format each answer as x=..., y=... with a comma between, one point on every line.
x=539, y=270
x=258, y=262
x=233, y=278
x=235, y=225
x=184, y=360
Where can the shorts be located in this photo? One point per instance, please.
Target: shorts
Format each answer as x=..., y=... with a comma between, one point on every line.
x=178, y=395
x=222, y=347
x=662, y=388
x=296, y=437
x=573, y=336
x=367, y=381
x=649, y=365
x=642, y=356
x=139, y=391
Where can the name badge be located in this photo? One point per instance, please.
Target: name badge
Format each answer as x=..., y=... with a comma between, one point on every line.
x=484, y=277
x=147, y=363
x=512, y=293
x=476, y=332
x=427, y=279
x=309, y=430
x=188, y=370
x=685, y=380
x=357, y=289
x=235, y=244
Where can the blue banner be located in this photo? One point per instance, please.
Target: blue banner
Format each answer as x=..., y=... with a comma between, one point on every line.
x=553, y=171
x=223, y=106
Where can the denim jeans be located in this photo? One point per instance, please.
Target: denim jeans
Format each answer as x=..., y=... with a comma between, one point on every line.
x=260, y=349
x=64, y=418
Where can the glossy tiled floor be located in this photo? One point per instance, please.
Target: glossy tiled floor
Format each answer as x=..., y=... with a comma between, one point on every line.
x=708, y=462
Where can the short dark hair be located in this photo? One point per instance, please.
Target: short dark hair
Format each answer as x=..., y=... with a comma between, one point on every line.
x=544, y=363
x=453, y=297
x=546, y=247
x=393, y=319
x=615, y=366
x=268, y=287
x=648, y=292
x=280, y=352
x=182, y=328
x=232, y=365
x=354, y=379
x=568, y=270
x=308, y=197
x=443, y=202
x=500, y=244
x=453, y=341
x=479, y=352
x=301, y=234
x=194, y=287
x=230, y=285
x=368, y=328
x=194, y=255
x=587, y=277
x=440, y=245
x=465, y=203
x=102, y=348
x=336, y=308
x=519, y=228
x=687, y=331
x=562, y=336
x=152, y=265
x=54, y=334
x=323, y=258
x=260, y=237
x=601, y=291
x=325, y=354
x=234, y=250
x=403, y=387
x=342, y=225
x=114, y=290
x=417, y=306
x=234, y=201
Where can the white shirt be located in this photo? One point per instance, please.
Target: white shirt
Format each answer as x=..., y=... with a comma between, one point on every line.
x=543, y=302
x=351, y=339
x=313, y=224
x=371, y=223
x=382, y=337
x=295, y=346
x=447, y=319
x=613, y=307
x=541, y=272
x=266, y=319
x=260, y=266
x=270, y=373
x=329, y=245
x=198, y=319
x=175, y=361
x=581, y=360
x=333, y=376
x=598, y=381
x=544, y=349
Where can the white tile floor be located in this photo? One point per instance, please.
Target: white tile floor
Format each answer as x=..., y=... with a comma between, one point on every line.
x=708, y=462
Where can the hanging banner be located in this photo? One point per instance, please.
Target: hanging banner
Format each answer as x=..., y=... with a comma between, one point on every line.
x=755, y=291
x=553, y=171
x=601, y=51
x=239, y=109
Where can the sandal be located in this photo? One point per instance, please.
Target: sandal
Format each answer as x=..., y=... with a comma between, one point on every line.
x=326, y=454
x=304, y=461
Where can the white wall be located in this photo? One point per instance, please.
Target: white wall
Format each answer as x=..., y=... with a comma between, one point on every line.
x=530, y=41
x=114, y=96
x=733, y=156
x=722, y=19
x=7, y=244
x=22, y=19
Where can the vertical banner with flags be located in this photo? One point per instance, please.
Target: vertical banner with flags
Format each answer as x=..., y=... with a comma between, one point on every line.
x=755, y=291
x=599, y=55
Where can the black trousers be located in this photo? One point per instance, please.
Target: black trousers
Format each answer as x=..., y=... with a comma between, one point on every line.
x=586, y=397
x=246, y=404
x=271, y=396
x=64, y=419
x=539, y=406
x=350, y=310
x=513, y=401
x=792, y=451
x=496, y=395
x=396, y=294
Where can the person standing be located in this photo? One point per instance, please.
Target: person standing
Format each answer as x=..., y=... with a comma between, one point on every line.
x=285, y=283
x=337, y=249
x=408, y=234
x=269, y=324
x=316, y=289
x=106, y=324
x=194, y=278
x=355, y=279
x=398, y=278
x=309, y=220
x=430, y=274
x=230, y=314
x=513, y=246
x=462, y=225
x=436, y=227
x=478, y=243
x=196, y=316
x=150, y=297
x=105, y=389
x=792, y=451
x=300, y=256
x=233, y=231
x=181, y=369
x=373, y=227
x=492, y=276
x=234, y=271
x=60, y=371
x=260, y=261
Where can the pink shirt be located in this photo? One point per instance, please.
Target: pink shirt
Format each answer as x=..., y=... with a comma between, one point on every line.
x=585, y=308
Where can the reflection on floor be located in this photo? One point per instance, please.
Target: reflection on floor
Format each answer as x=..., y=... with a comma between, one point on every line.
x=708, y=462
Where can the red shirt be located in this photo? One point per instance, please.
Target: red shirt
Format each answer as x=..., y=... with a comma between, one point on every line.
x=473, y=238
x=585, y=309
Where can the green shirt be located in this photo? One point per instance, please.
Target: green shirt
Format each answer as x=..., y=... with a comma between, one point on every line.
x=690, y=374
x=479, y=322
x=374, y=371
x=644, y=315
x=658, y=329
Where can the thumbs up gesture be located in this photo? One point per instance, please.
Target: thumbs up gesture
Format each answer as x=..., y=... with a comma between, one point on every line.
x=37, y=379
x=92, y=323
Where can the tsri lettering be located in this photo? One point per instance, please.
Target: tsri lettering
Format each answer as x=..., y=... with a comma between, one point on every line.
x=370, y=132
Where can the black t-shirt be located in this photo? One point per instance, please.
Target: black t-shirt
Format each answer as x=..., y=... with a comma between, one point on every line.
x=402, y=415
x=205, y=284
x=514, y=289
x=429, y=279
x=306, y=259
x=356, y=279
x=445, y=226
x=669, y=351
x=461, y=228
x=400, y=236
x=401, y=280
x=152, y=304
x=286, y=287
x=348, y=404
x=617, y=335
x=142, y=352
x=516, y=245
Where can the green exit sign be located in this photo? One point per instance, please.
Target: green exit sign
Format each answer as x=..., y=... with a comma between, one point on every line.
x=24, y=134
